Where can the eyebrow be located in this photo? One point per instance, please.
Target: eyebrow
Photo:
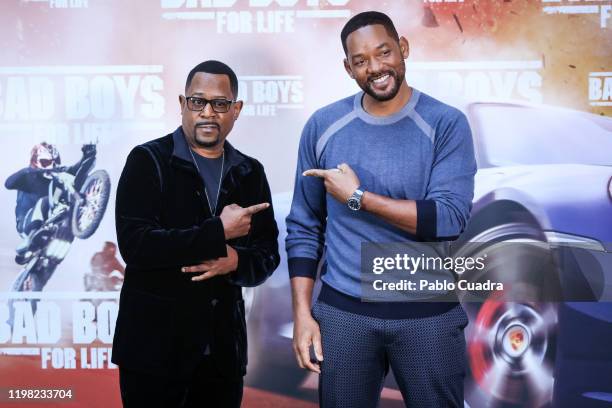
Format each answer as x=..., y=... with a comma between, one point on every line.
x=201, y=94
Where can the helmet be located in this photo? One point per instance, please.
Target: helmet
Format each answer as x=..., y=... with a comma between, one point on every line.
x=44, y=156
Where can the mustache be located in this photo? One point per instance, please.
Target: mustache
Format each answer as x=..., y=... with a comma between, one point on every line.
x=207, y=123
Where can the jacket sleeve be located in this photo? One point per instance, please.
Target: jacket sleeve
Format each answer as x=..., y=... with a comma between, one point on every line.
x=85, y=161
x=445, y=210
x=307, y=219
x=23, y=180
x=258, y=254
x=143, y=241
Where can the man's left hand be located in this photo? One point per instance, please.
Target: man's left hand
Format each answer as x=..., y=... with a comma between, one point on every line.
x=214, y=267
x=340, y=183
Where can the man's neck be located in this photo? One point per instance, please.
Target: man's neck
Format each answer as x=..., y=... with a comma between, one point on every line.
x=386, y=108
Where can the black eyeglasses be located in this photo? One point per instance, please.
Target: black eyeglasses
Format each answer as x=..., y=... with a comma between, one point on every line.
x=197, y=104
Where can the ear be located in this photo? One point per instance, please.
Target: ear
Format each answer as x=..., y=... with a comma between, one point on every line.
x=237, y=109
x=348, y=69
x=183, y=103
x=404, y=47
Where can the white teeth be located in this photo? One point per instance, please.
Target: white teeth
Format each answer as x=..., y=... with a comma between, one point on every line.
x=381, y=79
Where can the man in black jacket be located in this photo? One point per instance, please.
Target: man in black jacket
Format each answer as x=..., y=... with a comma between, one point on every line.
x=194, y=225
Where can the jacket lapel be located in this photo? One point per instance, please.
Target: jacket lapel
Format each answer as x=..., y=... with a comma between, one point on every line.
x=236, y=167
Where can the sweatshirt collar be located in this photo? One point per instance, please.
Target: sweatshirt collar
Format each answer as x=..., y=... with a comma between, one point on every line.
x=385, y=120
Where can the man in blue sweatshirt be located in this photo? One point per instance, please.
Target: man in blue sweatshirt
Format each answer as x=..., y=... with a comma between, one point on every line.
x=389, y=164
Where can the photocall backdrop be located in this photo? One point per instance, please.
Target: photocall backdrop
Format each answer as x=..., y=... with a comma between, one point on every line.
x=109, y=72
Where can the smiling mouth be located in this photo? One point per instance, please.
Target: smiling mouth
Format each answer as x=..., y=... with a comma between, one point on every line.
x=381, y=79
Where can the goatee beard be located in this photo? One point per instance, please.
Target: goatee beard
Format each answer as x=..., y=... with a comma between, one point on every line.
x=207, y=144
x=398, y=78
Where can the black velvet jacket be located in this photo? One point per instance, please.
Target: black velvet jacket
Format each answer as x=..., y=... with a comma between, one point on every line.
x=166, y=321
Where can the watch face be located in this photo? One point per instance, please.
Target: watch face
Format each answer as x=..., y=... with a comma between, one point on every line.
x=354, y=204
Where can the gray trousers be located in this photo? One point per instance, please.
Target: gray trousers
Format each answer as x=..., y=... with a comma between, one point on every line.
x=427, y=356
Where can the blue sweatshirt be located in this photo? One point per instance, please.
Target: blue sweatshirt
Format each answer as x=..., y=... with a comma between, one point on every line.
x=424, y=153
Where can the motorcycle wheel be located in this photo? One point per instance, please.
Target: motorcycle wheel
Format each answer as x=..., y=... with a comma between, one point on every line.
x=87, y=213
x=32, y=278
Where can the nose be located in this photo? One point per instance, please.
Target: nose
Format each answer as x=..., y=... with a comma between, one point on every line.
x=374, y=66
x=208, y=111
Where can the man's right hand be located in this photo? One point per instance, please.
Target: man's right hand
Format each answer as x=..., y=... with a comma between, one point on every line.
x=306, y=333
x=237, y=220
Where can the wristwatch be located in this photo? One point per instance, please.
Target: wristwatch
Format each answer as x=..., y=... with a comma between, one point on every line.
x=354, y=201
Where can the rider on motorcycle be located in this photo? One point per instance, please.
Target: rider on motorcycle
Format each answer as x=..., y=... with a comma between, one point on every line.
x=106, y=270
x=32, y=185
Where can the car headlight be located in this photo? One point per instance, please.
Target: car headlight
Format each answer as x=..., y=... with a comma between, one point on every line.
x=560, y=238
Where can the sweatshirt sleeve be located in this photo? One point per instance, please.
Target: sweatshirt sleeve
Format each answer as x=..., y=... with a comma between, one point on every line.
x=307, y=219
x=445, y=210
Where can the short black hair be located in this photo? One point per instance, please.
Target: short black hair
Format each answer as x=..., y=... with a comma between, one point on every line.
x=214, y=67
x=365, y=19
